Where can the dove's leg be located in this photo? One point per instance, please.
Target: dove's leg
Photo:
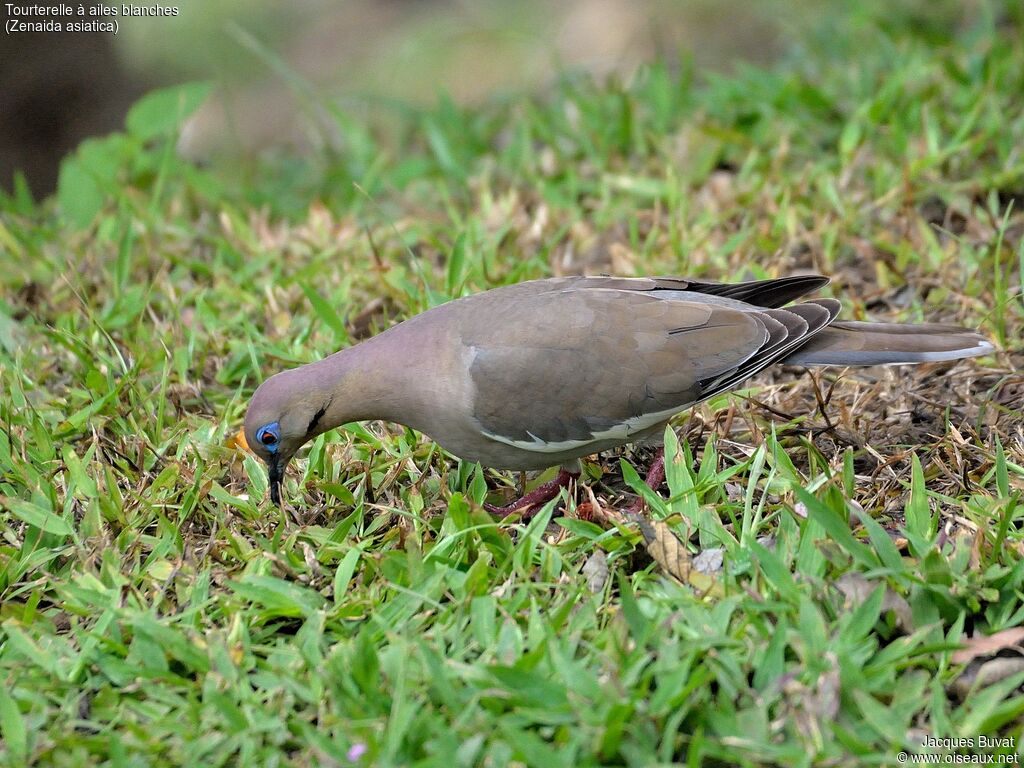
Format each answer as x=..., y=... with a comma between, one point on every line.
x=655, y=477
x=538, y=497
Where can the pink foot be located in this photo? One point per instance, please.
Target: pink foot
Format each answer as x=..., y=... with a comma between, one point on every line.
x=536, y=498
x=655, y=477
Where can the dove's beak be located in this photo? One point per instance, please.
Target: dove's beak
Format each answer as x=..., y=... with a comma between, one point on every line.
x=239, y=441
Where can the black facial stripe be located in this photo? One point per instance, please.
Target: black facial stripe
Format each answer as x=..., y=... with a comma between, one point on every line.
x=318, y=415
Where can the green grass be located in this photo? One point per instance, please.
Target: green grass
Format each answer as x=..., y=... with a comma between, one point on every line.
x=154, y=609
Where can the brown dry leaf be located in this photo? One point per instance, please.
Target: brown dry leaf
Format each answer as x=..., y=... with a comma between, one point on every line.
x=664, y=547
x=596, y=571
x=672, y=556
x=309, y=557
x=980, y=674
x=812, y=706
x=361, y=324
x=826, y=699
x=856, y=589
x=989, y=645
x=712, y=559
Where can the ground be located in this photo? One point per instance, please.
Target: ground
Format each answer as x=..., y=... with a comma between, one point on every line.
x=858, y=533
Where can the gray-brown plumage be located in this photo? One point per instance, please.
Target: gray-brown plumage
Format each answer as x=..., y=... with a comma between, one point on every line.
x=541, y=373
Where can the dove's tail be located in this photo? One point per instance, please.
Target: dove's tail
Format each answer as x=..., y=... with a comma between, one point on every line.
x=853, y=343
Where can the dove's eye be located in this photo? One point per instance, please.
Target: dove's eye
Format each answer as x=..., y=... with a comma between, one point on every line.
x=269, y=436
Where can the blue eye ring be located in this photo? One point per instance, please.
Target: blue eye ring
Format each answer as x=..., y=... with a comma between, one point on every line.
x=269, y=436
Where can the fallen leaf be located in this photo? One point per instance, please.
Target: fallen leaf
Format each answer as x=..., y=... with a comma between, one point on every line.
x=856, y=589
x=672, y=556
x=989, y=645
x=808, y=707
x=710, y=560
x=664, y=547
x=596, y=571
x=980, y=674
x=813, y=706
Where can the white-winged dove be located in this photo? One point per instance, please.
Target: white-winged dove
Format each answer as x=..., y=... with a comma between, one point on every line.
x=541, y=373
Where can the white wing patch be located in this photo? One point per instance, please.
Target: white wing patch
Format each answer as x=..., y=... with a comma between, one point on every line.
x=622, y=432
